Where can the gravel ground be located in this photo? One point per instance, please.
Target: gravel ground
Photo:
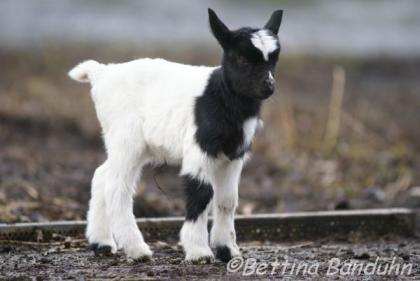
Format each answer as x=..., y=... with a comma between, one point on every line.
x=70, y=260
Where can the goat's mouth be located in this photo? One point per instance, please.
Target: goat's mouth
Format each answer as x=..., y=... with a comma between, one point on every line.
x=265, y=93
x=260, y=95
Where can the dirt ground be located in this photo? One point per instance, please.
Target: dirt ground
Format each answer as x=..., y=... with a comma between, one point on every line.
x=71, y=260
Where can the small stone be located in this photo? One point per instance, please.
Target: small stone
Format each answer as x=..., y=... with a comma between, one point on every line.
x=375, y=193
x=6, y=249
x=404, y=256
x=342, y=205
x=361, y=254
x=415, y=191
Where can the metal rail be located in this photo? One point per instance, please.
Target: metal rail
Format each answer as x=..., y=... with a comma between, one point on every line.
x=273, y=227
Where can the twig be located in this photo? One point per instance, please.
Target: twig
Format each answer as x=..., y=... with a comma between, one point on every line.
x=296, y=246
x=157, y=184
x=16, y=205
x=336, y=103
x=288, y=120
x=33, y=243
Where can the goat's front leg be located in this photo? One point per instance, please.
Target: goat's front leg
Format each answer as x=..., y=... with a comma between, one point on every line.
x=194, y=232
x=223, y=236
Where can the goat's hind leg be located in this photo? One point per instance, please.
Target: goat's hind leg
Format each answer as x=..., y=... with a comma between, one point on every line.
x=125, y=161
x=98, y=230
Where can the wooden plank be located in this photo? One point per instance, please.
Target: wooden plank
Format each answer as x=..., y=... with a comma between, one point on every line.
x=274, y=227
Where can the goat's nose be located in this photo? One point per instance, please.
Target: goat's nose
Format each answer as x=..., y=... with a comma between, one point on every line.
x=269, y=86
x=269, y=82
x=270, y=79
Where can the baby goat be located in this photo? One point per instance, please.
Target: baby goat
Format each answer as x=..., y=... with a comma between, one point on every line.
x=203, y=118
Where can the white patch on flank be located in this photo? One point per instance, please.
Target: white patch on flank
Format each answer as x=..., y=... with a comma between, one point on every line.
x=264, y=42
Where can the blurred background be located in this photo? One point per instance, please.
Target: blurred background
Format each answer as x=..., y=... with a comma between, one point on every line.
x=341, y=132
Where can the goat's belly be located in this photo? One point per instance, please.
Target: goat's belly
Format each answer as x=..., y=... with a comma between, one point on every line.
x=165, y=137
x=163, y=155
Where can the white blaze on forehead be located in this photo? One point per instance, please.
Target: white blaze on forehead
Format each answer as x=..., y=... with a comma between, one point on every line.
x=264, y=42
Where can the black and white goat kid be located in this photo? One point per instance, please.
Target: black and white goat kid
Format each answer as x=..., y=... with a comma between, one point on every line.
x=203, y=118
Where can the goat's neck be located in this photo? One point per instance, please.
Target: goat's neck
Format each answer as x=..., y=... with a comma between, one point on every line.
x=236, y=104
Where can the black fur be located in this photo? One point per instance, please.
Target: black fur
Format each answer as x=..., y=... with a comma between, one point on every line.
x=245, y=69
x=234, y=91
x=274, y=22
x=223, y=253
x=220, y=115
x=198, y=195
x=219, y=29
x=100, y=250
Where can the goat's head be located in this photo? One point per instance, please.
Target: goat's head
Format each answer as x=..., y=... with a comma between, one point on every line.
x=250, y=55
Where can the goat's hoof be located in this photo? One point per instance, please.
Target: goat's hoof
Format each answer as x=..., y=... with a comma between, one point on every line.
x=142, y=259
x=204, y=260
x=225, y=254
x=140, y=253
x=199, y=255
x=200, y=260
x=101, y=250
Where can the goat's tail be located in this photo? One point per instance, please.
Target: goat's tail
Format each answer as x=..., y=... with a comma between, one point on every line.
x=86, y=71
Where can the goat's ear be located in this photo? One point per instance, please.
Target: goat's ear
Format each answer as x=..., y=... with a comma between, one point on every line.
x=274, y=22
x=219, y=29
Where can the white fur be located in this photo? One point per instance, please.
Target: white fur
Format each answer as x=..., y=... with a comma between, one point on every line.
x=99, y=228
x=250, y=127
x=195, y=238
x=86, y=71
x=226, y=182
x=270, y=77
x=264, y=42
x=146, y=110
